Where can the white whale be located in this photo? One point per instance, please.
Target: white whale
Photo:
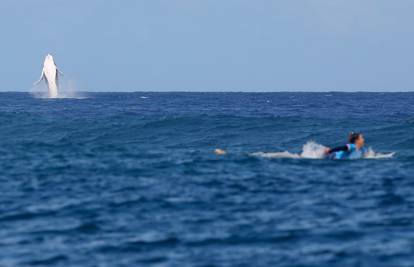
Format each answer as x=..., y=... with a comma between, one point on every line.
x=50, y=74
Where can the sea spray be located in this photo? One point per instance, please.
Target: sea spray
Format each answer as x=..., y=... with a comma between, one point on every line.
x=310, y=150
x=67, y=89
x=313, y=150
x=371, y=154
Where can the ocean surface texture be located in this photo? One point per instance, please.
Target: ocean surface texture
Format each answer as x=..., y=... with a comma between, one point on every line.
x=131, y=179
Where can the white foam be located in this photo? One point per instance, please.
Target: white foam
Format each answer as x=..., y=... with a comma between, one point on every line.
x=285, y=154
x=61, y=95
x=313, y=150
x=371, y=154
x=67, y=90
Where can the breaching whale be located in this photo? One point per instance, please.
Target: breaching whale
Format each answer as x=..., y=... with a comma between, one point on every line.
x=50, y=74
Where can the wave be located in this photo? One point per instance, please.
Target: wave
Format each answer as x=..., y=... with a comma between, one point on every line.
x=313, y=150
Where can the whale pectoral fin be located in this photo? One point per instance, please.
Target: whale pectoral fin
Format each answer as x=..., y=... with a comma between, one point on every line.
x=40, y=79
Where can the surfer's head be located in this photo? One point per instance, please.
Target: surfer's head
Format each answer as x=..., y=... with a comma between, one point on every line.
x=357, y=139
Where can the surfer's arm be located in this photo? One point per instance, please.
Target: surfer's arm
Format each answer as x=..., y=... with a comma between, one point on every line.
x=337, y=149
x=40, y=79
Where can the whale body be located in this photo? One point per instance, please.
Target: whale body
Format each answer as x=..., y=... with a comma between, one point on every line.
x=50, y=74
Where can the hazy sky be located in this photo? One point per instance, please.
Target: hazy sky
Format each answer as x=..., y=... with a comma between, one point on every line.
x=219, y=45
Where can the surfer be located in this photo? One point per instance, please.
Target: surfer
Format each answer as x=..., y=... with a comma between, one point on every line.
x=353, y=150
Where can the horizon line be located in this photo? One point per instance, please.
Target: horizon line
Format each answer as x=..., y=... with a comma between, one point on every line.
x=214, y=91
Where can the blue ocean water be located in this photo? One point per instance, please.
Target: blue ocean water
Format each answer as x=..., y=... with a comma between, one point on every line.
x=131, y=179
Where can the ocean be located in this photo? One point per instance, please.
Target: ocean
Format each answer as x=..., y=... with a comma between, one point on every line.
x=131, y=179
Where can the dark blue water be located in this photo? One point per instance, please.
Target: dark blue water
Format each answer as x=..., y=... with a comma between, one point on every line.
x=130, y=179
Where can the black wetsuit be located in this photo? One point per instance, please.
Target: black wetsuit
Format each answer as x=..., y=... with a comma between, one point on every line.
x=348, y=151
x=339, y=148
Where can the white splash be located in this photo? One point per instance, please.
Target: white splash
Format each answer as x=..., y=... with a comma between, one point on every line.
x=371, y=154
x=313, y=150
x=50, y=73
